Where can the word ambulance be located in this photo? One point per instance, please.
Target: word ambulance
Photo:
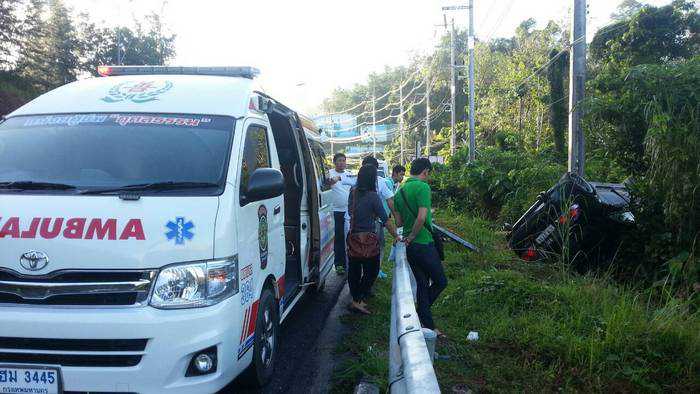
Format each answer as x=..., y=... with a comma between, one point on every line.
x=72, y=228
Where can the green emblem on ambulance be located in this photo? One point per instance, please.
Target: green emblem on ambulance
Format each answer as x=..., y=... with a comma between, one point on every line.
x=137, y=91
x=262, y=235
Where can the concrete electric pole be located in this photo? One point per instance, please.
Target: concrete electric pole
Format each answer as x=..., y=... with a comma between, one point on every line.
x=401, y=135
x=374, y=127
x=470, y=46
x=577, y=80
x=453, y=88
x=427, y=116
x=453, y=66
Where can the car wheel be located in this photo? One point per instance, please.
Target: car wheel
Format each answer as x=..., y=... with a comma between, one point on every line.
x=262, y=367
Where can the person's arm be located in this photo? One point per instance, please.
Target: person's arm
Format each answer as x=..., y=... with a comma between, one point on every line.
x=418, y=224
x=392, y=230
x=398, y=219
x=383, y=217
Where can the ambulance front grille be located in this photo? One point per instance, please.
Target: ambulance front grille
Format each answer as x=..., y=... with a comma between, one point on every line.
x=77, y=288
x=72, y=352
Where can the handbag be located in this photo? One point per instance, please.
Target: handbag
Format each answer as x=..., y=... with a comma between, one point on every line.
x=437, y=240
x=361, y=245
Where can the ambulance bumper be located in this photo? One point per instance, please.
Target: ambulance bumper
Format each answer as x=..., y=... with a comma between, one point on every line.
x=152, y=355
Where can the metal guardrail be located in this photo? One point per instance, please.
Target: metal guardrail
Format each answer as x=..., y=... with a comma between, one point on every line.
x=454, y=237
x=410, y=361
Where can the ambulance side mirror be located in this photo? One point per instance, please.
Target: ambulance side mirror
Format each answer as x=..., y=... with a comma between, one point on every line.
x=263, y=184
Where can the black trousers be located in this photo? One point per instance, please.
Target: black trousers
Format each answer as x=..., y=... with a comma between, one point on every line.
x=361, y=276
x=430, y=279
x=339, y=243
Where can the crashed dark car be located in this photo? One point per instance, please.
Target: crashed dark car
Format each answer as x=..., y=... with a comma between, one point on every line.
x=584, y=220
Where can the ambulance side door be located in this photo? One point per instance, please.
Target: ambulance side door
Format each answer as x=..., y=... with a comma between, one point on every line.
x=260, y=223
x=325, y=213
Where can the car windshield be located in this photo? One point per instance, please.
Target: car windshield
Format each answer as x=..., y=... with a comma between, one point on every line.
x=88, y=152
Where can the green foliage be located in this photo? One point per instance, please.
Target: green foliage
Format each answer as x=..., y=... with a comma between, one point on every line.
x=146, y=44
x=652, y=35
x=540, y=328
x=502, y=184
x=649, y=121
x=9, y=29
x=56, y=46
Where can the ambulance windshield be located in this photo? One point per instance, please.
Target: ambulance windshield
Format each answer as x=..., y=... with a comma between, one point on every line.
x=87, y=152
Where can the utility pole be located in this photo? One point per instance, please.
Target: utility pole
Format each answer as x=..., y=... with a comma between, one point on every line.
x=427, y=115
x=470, y=45
x=374, y=127
x=453, y=105
x=401, y=135
x=331, y=133
x=453, y=66
x=577, y=80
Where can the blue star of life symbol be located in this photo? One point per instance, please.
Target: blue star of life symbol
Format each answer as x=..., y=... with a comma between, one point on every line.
x=179, y=230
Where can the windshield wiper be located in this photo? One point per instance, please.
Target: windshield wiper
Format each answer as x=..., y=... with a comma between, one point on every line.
x=139, y=187
x=31, y=185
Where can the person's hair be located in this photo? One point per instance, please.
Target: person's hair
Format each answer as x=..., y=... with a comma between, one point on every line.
x=398, y=168
x=367, y=179
x=371, y=160
x=419, y=165
x=338, y=156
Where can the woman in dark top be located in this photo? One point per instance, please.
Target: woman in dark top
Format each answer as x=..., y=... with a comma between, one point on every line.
x=364, y=214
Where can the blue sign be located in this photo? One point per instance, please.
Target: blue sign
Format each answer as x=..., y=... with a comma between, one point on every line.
x=179, y=230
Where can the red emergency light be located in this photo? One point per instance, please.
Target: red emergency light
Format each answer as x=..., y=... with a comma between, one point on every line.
x=104, y=71
x=241, y=72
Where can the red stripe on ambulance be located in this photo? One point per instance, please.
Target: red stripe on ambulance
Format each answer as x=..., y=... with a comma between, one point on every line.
x=72, y=228
x=253, y=317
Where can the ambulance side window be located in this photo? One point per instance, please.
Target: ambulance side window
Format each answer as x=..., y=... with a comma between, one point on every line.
x=320, y=167
x=256, y=154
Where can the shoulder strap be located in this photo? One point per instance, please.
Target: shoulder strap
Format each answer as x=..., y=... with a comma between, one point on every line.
x=415, y=215
x=354, y=204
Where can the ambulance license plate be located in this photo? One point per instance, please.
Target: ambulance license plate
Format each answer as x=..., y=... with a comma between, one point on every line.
x=19, y=379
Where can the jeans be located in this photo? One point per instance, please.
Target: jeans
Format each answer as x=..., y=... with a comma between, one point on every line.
x=361, y=276
x=430, y=279
x=339, y=243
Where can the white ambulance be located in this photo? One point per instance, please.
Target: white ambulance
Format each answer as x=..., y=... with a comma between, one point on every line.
x=156, y=226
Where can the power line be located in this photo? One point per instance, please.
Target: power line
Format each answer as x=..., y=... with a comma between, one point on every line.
x=500, y=19
x=401, y=85
x=552, y=60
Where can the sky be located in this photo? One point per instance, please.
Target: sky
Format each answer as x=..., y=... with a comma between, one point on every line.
x=307, y=48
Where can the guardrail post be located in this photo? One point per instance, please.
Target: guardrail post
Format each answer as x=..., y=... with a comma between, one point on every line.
x=410, y=360
x=430, y=340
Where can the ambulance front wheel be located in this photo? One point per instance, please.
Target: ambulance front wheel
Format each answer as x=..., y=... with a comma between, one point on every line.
x=261, y=369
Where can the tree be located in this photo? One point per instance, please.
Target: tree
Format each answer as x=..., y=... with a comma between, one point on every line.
x=652, y=35
x=33, y=62
x=62, y=47
x=626, y=9
x=9, y=30
x=147, y=44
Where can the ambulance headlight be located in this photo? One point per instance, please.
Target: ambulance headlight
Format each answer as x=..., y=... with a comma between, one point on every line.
x=195, y=285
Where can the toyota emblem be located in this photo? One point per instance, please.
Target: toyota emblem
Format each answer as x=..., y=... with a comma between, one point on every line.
x=34, y=261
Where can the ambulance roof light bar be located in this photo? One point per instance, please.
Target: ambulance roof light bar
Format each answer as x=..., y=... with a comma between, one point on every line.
x=243, y=72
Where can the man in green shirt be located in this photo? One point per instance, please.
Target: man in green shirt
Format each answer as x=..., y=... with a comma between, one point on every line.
x=412, y=204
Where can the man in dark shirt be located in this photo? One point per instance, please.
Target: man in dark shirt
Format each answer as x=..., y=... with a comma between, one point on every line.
x=413, y=204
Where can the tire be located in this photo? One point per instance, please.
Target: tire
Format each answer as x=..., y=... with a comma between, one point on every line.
x=260, y=371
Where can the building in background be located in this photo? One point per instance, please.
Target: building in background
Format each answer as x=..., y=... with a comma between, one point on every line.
x=346, y=135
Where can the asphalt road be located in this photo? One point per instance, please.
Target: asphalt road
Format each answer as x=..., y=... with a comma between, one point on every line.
x=307, y=337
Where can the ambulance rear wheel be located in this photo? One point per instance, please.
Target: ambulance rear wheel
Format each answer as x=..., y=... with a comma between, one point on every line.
x=261, y=369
